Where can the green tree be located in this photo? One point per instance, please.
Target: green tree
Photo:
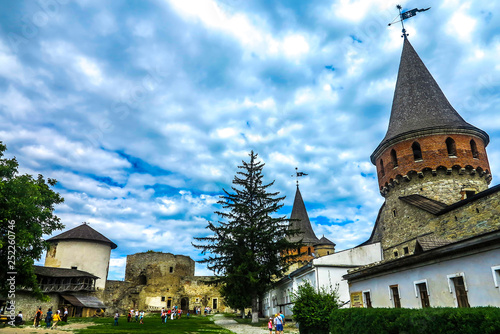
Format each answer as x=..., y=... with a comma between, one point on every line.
x=249, y=248
x=26, y=213
x=312, y=308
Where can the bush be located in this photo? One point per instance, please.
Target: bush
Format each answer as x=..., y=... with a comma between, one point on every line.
x=485, y=320
x=312, y=308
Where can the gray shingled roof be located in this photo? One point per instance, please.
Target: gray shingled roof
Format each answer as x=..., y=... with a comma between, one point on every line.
x=61, y=272
x=325, y=241
x=300, y=221
x=83, y=232
x=424, y=203
x=419, y=106
x=429, y=242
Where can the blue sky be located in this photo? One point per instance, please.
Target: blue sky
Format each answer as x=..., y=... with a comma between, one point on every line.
x=142, y=110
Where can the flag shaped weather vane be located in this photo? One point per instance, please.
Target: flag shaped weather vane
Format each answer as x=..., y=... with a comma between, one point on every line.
x=298, y=174
x=406, y=15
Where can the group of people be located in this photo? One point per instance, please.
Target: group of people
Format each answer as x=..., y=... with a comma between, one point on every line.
x=137, y=315
x=174, y=313
x=278, y=322
x=51, y=318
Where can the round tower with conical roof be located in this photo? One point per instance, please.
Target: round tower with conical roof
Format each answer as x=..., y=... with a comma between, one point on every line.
x=430, y=158
x=81, y=248
x=429, y=149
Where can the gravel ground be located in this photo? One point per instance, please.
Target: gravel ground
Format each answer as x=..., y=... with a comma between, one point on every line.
x=237, y=328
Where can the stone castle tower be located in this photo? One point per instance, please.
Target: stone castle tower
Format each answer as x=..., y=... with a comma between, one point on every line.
x=430, y=157
x=313, y=247
x=81, y=248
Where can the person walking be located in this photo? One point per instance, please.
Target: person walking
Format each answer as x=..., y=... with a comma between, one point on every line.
x=117, y=316
x=270, y=325
x=142, y=317
x=136, y=315
x=65, y=315
x=48, y=318
x=38, y=317
x=278, y=321
x=56, y=319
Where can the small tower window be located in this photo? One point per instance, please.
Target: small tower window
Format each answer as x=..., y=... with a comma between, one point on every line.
x=394, y=213
x=308, y=250
x=382, y=171
x=451, y=147
x=395, y=253
x=473, y=148
x=394, y=158
x=417, y=152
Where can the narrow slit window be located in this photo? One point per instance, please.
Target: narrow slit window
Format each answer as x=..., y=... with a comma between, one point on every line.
x=417, y=151
x=451, y=147
x=394, y=158
x=473, y=148
x=382, y=171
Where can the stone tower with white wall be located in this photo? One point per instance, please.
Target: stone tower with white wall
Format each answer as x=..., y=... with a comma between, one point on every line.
x=81, y=248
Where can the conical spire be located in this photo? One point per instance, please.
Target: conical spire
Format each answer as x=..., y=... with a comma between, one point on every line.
x=300, y=221
x=419, y=106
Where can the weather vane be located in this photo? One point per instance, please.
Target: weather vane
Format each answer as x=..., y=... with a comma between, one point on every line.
x=406, y=15
x=298, y=174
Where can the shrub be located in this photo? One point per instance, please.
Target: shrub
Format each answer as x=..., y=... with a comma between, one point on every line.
x=485, y=320
x=312, y=308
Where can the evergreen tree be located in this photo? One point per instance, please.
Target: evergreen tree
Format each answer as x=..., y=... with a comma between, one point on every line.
x=249, y=248
x=26, y=213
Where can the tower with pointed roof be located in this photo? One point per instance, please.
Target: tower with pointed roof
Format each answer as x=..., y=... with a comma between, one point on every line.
x=81, y=248
x=430, y=157
x=312, y=246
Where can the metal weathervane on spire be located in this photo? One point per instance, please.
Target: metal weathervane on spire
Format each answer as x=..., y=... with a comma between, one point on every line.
x=298, y=174
x=406, y=15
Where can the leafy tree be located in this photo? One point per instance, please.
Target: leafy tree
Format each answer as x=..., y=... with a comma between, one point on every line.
x=249, y=248
x=312, y=308
x=26, y=213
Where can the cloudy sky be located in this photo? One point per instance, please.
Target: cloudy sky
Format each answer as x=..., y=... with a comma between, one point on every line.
x=142, y=110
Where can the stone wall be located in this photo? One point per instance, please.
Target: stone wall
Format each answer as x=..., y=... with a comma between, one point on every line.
x=28, y=304
x=155, y=280
x=400, y=231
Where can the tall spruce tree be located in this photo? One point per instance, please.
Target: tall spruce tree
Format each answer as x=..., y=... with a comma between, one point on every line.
x=249, y=248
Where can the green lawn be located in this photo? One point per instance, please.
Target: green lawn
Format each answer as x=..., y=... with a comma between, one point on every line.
x=152, y=324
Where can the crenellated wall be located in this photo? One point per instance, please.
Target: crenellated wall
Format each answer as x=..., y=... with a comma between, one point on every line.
x=435, y=156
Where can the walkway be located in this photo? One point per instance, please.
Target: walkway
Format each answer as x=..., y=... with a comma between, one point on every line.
x=237, y=328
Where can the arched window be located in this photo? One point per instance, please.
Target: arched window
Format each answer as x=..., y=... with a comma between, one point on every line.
x=382, y=167
x=417, y=152
x=394, y=158
x=451, y=147
x=473, y=148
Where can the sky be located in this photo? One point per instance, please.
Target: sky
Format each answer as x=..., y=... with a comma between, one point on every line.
x=142, y=110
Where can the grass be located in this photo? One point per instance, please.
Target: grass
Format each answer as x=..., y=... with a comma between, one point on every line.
x=152, y=324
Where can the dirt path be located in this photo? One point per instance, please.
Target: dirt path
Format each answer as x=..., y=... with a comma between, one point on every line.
x=42, y=329
x=237, y=328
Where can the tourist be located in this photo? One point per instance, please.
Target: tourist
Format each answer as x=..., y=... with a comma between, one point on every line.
x=48, y=318
x=163, y=315
x=142, y=317
x=117, y=316
x=172, y=314
x=129, y=316
x=56, y=319
x=270, y=325
x=136, y=315
x=38, y=317
x=65, y=315
x=18, y=320
x=278, y=321
x=282, y=318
